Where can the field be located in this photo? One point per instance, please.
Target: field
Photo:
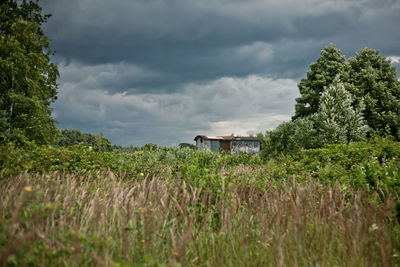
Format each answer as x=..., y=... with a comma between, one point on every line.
x=336, y=206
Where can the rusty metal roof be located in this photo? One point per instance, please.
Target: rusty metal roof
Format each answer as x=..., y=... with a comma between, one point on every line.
x=227, y=138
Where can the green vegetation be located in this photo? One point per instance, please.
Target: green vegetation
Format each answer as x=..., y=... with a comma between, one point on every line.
x=77, y=206
x=28, y=78
x=325, y=190
x=187, y=145
x=340, y=102
x=75, y=137
x=368, y=77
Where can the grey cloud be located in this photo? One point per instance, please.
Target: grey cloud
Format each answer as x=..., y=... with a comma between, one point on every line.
x=162, y=70
x=193, y=40
x=114, y=77
x=218, y=106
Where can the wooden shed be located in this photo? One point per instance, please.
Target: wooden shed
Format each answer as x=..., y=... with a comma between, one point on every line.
x=230, y=144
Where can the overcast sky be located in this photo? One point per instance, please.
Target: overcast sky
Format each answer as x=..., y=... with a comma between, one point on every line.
x=164, y=71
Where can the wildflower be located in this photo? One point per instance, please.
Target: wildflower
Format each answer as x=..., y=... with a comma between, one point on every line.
x=141, y=174
x=222, y=233
x=373, y=227
x=267, y=244
x=142, y=240
x=28, y=188
x=288, y=198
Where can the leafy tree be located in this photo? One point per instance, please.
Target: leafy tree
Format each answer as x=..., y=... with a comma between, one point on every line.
x=75, y=137
x=102, y=143
x=337, y=121
x=377, y=82
x=289, y=137
x=121, y=149
x=187, y=145
x=368, y=77
x=321, y=74
x=149, y=147
x=28, y=78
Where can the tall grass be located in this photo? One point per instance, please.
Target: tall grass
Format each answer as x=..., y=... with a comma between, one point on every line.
x=115, y=220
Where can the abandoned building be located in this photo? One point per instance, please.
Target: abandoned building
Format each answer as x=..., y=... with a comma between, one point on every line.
x=230, y=144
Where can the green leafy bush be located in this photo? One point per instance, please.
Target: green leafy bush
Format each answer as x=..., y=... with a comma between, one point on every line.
x=375, y=163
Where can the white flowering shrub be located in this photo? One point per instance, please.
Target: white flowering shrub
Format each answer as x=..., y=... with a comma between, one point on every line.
x=337, y=121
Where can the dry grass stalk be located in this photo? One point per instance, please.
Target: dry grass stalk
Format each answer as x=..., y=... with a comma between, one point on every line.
x=177, y=221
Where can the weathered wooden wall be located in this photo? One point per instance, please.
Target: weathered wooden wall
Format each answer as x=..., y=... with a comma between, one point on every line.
x=244, y=146
x=236, y=146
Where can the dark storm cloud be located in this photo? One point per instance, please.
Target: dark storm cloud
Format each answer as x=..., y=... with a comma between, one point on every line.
x=194, y=38
x=162, y=71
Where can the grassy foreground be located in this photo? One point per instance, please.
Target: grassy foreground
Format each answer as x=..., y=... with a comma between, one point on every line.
x=192, y=209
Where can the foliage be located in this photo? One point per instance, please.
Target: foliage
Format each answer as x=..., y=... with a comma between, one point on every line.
x=74, y=137
x=376, y=81
x=321, y=74
x=77, y=206
x=290, y=137
x=337, y=121
x=187, y=145
x=29, y=11
x=80, y=159
x=368, y=77
x=28, y=78
x=375, y=163
x=121, y=149
x=149, y=147
x=357, y=163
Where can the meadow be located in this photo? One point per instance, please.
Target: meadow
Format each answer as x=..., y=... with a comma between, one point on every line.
x=334, y=206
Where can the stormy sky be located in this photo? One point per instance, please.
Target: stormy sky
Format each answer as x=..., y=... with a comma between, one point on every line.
x=164, y=71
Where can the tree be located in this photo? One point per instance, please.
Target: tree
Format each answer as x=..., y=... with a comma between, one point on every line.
x=321, y=74
x=368, y=77
x=377, y=82
x=187, y=145
x=337, y=120
x=102, y=143
x=28, y=78
x=75, y=137
x=289, y=137
x=149, y=147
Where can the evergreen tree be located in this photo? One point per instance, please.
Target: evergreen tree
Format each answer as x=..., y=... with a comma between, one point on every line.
x=28, y=78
